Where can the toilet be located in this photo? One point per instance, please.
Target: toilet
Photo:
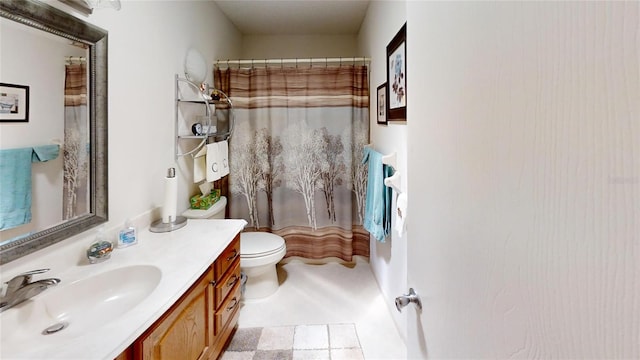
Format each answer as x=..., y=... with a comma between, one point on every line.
x=259, y=253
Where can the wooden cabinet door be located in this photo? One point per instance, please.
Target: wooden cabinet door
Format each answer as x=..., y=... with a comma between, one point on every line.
x=185, y=331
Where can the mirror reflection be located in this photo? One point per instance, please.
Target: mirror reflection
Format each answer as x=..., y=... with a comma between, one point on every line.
x=50, y=150
x=53, y=127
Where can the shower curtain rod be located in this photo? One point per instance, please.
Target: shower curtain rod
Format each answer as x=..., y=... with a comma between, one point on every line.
x=311, y=61
x=71, y=59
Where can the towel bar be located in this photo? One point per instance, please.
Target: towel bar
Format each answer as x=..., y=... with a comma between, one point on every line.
x=393, y=182
x=390, y=160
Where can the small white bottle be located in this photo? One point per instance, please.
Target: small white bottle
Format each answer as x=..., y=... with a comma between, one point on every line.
x=128, y=235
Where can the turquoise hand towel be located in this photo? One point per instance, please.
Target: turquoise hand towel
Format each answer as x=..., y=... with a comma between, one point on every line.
x=15, y=182
x=15, y=187
x=45, y=153
x=377, y=214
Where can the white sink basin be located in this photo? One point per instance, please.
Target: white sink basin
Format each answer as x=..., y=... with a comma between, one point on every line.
x=79, y=306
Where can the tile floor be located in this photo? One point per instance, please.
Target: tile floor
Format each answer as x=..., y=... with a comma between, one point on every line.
x=333, y=294
x=329, y=341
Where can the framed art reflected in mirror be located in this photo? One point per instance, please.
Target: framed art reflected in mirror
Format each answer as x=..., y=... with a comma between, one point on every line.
x=381, y=109
x=14, y=103
x=397, y=76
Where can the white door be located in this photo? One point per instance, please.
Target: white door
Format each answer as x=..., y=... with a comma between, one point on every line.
x=524, y=179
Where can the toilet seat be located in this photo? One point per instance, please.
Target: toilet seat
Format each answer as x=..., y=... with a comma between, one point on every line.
x=260, y=244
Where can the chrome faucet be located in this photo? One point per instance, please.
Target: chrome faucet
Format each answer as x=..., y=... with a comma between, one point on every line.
x=20, y=288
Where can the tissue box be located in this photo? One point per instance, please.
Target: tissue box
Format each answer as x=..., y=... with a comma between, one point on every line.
x=202, y=202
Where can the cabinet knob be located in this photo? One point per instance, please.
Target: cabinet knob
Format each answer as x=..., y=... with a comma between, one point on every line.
x=233, y=281
x=233, y=305
x=233, y=255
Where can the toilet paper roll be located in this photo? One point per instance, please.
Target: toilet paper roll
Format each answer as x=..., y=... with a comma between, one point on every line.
x=169, y=207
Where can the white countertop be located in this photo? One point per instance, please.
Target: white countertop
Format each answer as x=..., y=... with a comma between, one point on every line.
x=182, y=256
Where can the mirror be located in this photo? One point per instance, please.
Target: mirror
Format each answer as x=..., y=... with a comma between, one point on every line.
x=46, y=128
x=195, y=66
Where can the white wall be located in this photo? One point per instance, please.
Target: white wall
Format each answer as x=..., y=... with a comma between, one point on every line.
x=147, y=44
x=388, y=260
x=525, y=179
x=298, y=46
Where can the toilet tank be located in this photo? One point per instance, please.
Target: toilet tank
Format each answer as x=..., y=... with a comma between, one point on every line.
x=216, y=211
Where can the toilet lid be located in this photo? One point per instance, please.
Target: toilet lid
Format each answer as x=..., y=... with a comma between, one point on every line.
x=256, y=244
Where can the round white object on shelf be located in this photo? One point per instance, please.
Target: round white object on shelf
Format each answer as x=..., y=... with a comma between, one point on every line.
x=195, y=66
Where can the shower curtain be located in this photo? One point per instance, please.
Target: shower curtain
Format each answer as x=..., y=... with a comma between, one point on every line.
x=295, y=155
x=76, y=141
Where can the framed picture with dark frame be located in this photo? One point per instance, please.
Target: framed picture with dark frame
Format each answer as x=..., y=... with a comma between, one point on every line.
x=14, y=103
x=381, y=110
x=397, y=76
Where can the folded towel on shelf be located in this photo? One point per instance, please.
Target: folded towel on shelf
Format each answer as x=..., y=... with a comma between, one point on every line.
x=223, y=150
x=15, y=182
x=200, y=165
x=213, y=162
x=377, y=215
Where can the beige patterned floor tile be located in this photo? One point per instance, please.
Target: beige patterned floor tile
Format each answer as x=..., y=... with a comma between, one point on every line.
x=346, y=354
x=311, y=354
x=276, y=338
x=311, y=337
x=343, y=336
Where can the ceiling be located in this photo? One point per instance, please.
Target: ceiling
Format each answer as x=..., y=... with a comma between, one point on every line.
x=295, y=17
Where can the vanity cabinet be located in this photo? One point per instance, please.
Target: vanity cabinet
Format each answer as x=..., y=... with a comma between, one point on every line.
x=200, y=323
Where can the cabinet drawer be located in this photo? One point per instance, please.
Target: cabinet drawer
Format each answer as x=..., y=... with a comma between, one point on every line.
x=226, y=259
x=228, y=310
x=227, y=283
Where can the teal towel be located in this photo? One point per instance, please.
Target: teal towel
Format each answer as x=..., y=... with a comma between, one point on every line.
x=45, y=153
x=15, y=187
x=377, y=214
x=15, y=182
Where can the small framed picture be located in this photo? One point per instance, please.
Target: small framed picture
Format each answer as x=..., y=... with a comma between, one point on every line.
x=382, y=104
x=397, y=76
x=14, y=103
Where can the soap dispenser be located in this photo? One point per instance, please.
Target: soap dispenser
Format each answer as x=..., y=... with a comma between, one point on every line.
x=128, y=235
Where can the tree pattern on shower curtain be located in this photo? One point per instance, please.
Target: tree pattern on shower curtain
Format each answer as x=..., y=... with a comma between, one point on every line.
x=76, y=142
x=296, y=155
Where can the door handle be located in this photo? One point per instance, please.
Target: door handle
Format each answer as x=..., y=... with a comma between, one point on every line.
x=411, y=297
